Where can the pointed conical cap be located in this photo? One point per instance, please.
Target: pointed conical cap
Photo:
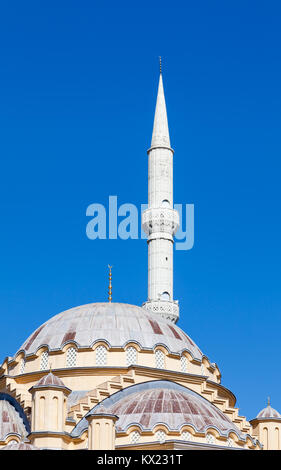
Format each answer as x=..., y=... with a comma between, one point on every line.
x=160, y=135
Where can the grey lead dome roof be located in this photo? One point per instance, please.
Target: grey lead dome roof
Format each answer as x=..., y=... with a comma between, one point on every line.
x=11, y=422
x=116, y=323
x=161, y=401
x=268, y=413
x=50, y=380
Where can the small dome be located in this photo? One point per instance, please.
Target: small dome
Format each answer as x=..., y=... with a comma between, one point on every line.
x=115, y=323
x=10, y=420
x=102, y=411
x=19, y=446
x=50, y=380
x=162, y=402
x=268, y=413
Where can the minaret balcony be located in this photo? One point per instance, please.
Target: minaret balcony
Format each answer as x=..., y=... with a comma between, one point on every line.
x=168, y=309
x=157, y=220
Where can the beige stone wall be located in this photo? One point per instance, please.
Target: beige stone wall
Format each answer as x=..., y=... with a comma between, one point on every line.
x=268, y=433
x=114, y=358
x=48, y=411
x=105, y=380
x=101, y=433
x=187, y=434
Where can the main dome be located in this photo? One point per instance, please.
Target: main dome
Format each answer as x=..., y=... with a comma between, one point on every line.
x=115, y=323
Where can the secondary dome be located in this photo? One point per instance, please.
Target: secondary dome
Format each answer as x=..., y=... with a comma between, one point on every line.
x=19, y=446
x=268, y=413
x=115, y=323
x=11, y=421
x=162, y=402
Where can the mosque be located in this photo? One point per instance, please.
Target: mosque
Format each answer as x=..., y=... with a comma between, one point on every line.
x=122, y=376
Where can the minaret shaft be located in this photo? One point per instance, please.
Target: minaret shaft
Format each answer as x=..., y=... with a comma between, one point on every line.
x=160, y=220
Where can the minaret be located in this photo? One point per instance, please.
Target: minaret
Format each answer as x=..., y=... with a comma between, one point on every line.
x=160, y=221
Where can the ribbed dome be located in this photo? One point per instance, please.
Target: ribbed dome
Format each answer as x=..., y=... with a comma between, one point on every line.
x=10, y=421
x=50, y=380
x=151, y=403
x=171, y=407
x=115, y=323
x=268, y=413
x=19, y=446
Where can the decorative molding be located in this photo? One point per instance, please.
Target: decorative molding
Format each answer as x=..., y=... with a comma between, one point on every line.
x=165, y=308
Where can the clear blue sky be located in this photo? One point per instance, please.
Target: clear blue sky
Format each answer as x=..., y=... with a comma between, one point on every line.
x=78, y=87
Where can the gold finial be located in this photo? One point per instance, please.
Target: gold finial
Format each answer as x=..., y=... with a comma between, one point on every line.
x=268, y=401
x=110, y=285
x=160, y=64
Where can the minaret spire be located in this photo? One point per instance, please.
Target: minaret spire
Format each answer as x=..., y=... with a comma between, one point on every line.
x=160, y=134
x=160, y=220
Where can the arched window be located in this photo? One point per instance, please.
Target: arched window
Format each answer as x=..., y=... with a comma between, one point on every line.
x=134, y=437
x=159, y=359
x=165, y=296
x=71, y=357
x=277, y=439
x=187, y=436
x=265, y=438
x=165, y=203
x=22, y=365
x=183, y=363
x=131, y=356
x=101, y=354
x=41, y=412
x=44, y=361
x=160, y=436
x=210, y=438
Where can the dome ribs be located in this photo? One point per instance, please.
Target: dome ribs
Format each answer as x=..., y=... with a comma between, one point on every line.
x=268, y=412
x=175, y=333
x=33, y=337
x=70, y=335
x=158, y=406
x=171, y=407
x=19, y=446
x=176, y=407
x=5, y=417
x=148, y=406
x=140, y=407
x=145, y=420
x=170, y=404
x=156, y=328
x=117, y=324
x=131, y=407
x=12, y=422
